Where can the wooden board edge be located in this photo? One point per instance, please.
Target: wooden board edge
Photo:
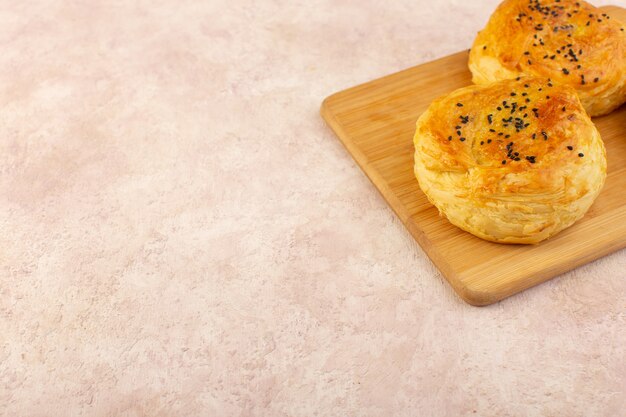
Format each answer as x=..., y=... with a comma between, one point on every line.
x=471, y=296
x=360, y=159
x=478, y=295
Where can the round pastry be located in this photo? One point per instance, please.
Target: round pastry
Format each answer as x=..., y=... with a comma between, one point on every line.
x=515, y=161
x=571, y=42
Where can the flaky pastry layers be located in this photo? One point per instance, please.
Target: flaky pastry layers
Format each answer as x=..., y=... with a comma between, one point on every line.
x=571, y=42
x=516, y=161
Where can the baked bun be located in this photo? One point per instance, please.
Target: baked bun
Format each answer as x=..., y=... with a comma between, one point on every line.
x=571, y=42
x=512, y=162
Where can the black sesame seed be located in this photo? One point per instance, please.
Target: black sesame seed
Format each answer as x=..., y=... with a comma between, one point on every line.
x=595, y=80
x=571, y=148
x=459, y=105
x=462, y=139
x=488, y=140
x=581, y=155
x=565, y=71
x=504, y=162
x=482, y=142
x=449, y=137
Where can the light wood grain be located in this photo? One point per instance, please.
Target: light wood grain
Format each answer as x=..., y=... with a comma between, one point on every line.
x=376, y=121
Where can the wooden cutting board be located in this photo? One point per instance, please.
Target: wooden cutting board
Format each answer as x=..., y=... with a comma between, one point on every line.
x=376, y=121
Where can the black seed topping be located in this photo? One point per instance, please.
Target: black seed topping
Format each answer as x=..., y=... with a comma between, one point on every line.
x=459, y=105
x=462, y=139
x=565, y=71
x=571, y=148
x=580, y=155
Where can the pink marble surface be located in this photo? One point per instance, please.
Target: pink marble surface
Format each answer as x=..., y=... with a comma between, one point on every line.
x=181, y=235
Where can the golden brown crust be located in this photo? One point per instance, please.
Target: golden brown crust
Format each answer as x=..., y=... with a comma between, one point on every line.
x=571, y=42
x=514, y=162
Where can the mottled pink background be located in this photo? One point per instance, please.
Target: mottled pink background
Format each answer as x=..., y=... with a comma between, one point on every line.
x=181, y=235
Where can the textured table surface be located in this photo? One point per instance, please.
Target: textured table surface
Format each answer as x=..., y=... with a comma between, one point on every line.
x=181, y=235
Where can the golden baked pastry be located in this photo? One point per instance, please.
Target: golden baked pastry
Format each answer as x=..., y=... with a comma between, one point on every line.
x=569, y=41
x=515, y=161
